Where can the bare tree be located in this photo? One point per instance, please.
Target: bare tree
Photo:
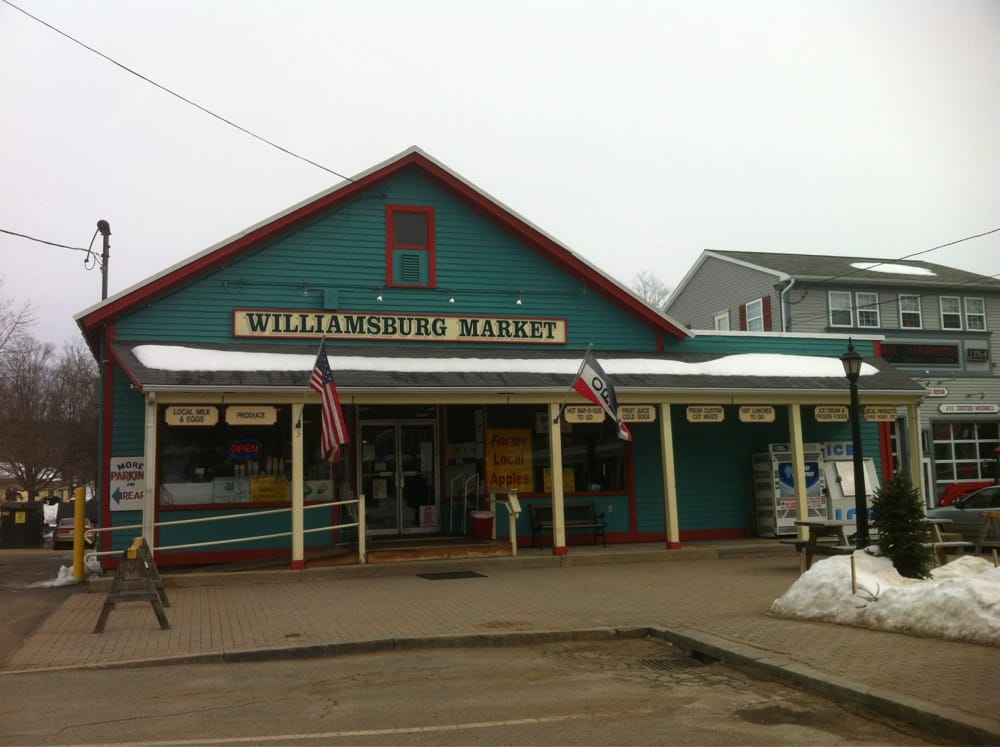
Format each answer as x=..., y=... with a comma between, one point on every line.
x=15, y=319
x=48, y=415
x=651, y=289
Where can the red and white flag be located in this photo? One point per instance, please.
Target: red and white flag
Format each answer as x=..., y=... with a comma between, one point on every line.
x=334, y=426
x=594, y=384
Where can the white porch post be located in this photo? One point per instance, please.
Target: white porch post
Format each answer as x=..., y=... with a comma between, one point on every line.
x=798, y=467
x=298, y=500
x=555, y=465
x=149, y=493
x=670, y=520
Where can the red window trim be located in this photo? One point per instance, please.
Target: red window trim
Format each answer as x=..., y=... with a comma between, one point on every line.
x=391, y=245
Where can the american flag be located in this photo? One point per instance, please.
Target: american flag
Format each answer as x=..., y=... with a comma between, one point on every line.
x=334, y=427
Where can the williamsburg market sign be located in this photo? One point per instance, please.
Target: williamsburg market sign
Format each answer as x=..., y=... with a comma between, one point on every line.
x=282, y=323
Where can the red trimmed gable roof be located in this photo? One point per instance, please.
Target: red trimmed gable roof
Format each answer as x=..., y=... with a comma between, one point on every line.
x=224, y=253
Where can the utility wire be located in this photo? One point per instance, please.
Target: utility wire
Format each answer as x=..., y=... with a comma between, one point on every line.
x=177, y=95
x=43, y=241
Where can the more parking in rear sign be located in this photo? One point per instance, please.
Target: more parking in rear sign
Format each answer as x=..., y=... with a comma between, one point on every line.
x=127, y=483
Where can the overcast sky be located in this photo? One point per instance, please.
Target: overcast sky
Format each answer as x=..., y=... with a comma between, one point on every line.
x=638, y=134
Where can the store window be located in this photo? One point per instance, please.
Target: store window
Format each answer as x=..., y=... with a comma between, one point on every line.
x=965, y=451
x=975, y=314
x=841, y=312
x=517, y=453
x=951, y=312
x=410, y=248
x=237, y=454
x=910, y=316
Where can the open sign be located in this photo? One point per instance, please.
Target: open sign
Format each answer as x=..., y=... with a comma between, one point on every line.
x=245, y=448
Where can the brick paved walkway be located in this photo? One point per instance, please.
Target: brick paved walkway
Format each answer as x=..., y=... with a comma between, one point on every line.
x=712, y=604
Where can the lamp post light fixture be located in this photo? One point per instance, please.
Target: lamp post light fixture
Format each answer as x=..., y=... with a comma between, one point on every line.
x=852, y=369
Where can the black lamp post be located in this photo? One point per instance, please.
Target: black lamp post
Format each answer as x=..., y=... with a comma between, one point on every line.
x=852, y=369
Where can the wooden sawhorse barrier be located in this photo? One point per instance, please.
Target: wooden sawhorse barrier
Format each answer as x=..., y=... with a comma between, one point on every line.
x=136, y=580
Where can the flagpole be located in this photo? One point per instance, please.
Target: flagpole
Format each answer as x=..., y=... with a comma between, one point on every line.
x=570, y=389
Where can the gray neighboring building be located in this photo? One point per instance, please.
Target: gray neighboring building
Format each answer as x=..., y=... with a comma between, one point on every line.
x=934, y=322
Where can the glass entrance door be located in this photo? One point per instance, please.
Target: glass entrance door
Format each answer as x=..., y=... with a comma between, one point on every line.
x=399, y=477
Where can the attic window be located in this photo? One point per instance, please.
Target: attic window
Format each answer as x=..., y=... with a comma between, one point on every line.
x=410, y=249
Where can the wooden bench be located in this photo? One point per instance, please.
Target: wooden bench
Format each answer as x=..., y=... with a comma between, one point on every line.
x=577, y=516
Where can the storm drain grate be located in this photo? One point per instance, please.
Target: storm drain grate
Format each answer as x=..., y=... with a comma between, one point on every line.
x=671, y=664
x=447, y=575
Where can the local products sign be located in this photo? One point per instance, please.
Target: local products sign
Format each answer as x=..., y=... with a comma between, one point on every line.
x=127, y=483
x=880, y=414
x=508, y=459
x=637, y=413
x=284, y=323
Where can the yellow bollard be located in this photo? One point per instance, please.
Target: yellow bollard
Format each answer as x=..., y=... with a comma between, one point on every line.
x=79, y=512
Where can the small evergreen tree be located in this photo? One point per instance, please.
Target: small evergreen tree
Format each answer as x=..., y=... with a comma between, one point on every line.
x=898, y=514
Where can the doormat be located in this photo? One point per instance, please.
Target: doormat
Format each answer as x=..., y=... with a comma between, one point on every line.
x=445, y=575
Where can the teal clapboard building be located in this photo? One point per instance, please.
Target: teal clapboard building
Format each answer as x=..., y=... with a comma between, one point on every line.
x=455, y=331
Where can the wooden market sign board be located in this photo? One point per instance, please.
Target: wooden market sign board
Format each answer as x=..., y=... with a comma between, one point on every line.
x=637, y=413
x=705, y=414
x=831, y=414
x=251, y=415
x=594, y=414
x=756, y=414
x=335, y=325
x=583, y=414
x=880, y=414
x=191, y=415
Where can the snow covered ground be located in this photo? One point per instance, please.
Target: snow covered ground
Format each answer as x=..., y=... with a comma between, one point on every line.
x=960, y=602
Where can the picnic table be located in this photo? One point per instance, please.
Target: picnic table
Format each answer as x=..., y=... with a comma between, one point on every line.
x=991, y=526
x=824, y=537
x=939, y=544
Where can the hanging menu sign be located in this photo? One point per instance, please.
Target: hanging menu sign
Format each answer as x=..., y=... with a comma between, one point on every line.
x=583, y=414
x=830, y=414
x=756, y=414
x=191, y=415
x=637, y=413
x=251, y=415
x=880, y=414
x=705, y=414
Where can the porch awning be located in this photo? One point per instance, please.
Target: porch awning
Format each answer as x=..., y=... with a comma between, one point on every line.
x=256, y=367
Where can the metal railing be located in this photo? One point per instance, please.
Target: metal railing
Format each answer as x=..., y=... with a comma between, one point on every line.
x=357, y=516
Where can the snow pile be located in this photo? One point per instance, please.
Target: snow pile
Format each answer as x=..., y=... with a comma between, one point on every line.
x=961, y=602
x=65, y=577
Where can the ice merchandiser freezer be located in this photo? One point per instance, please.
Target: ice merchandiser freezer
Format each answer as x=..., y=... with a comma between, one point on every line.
x=839, y=476
x=774, y=488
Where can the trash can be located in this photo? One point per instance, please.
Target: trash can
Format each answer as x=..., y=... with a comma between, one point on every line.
x=482, y=524
x=21, y=524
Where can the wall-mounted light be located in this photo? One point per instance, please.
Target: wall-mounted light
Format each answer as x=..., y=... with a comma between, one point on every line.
x=378, y=297
x=520, y=298
x=305, y=289
x=451, y=296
